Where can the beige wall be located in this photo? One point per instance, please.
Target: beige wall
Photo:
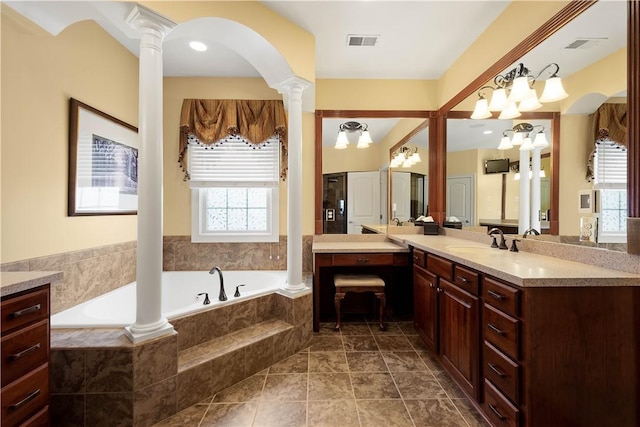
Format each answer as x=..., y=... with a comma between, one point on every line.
x=351, y=159
x=516, y=22
x=39, y=75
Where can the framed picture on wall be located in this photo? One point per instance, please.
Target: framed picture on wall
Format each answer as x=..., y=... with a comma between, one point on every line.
x=103, y=163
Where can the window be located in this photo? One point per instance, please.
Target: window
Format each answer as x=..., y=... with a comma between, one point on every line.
x=610, y=177
x=234, y=191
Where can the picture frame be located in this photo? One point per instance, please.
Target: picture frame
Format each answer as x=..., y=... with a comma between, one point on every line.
x=103, y=163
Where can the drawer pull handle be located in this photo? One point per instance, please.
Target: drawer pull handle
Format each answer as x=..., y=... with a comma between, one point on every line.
x=24, y=401
x=24, y=311
x=16, y=356
x=496, y=295
x=498, y=414
x=495, y=329
x=362, y=260
x=495, y=369
x=431, y=285
x=463, y=280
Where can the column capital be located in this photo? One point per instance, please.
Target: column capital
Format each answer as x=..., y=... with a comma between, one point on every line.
x=146, y=20
x=293, y=84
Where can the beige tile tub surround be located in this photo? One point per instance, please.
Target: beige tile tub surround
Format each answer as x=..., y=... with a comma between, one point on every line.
x=100, y=378
x=87, y=273
x=180, y=254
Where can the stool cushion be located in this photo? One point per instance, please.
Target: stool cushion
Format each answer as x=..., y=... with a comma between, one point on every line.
x=354, y=280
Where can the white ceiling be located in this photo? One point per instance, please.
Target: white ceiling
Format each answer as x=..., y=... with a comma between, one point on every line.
x=417, y=40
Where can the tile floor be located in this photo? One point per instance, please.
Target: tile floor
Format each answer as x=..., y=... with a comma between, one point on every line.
x=360, y=376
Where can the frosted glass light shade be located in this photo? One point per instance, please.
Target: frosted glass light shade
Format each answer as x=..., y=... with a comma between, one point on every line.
x=364, y=140
x=516, y=177
x=342, y=141
x=519, y=89
x=415, y=158
x=542, y=173
x=482, y=110
x=517, y=138
x=540, y=140
x=509, y=112
x=527, y=145
x=498, y=100
x=553, y=90
x=505, y=143
x=530, y=103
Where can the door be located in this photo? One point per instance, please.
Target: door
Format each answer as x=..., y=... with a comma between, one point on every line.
x=363, y=200
x=401, y=195
x=460, y=198
x=334, y=199
x=459, y=333
x=425, y=297
x=384, y=195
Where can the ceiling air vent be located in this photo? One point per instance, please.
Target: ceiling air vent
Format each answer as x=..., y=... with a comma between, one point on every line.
x=584, y=43
x=362, y=40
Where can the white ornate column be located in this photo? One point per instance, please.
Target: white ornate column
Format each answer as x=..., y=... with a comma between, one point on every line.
x=535, y=190
x=292, y=89
x=149, y=320
x=524, y=211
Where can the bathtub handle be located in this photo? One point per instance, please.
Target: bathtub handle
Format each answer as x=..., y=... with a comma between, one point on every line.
x=206, y=298
x=237, y=294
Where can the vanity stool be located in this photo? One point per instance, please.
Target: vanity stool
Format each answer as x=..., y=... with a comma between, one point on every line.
x=358, y=283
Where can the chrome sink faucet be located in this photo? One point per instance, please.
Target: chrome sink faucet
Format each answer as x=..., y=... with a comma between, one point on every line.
x=530, y=230
x=223, y=295
x=397, y=221
x=503, y=244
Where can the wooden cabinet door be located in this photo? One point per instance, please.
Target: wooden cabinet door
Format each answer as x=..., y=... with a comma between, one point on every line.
x=425, y=288
x=459, y=335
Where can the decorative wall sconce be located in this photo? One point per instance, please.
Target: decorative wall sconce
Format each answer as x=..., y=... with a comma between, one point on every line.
x=522, y=137
x=514, y=93
x=363, y=141
x=405, y=157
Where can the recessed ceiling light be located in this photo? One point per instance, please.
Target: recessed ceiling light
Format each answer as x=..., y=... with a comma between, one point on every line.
x=199, y=46
x=487, y=132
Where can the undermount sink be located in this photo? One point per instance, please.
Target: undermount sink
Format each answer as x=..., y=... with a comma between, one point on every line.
x=471, y=249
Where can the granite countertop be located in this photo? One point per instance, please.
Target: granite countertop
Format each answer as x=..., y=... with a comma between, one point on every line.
x=520, y=268
x=357, y=247
x=18, y=281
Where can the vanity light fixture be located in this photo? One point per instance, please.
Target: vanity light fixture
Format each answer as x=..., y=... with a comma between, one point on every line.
x=405, y=157
x=363, y=141
x=522, y=137
x=514, y=93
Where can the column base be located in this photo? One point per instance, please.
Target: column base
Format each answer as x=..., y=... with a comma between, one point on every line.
x=294, y=289
x=142, y=333
x=633, y=236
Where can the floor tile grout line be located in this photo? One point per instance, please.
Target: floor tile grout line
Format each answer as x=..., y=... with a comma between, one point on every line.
x=399, y=392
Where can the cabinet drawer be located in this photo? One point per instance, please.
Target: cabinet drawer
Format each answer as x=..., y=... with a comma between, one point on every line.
x=440, y=267
x=23, y=350
x=363, y=259
x=40, y=419
x=501, y=330
x=466, y=279
x=419, y=258
x=22, y=399
x=499, y=410
x=501, y=296
x=502, y=372
x=23, y=309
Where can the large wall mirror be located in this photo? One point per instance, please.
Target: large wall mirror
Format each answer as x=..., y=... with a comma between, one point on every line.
x=353, y=185
x=591, y=55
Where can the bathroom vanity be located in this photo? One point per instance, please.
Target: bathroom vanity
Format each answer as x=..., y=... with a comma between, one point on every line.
x=25, y=347
x=359, y=254
x=533, y=340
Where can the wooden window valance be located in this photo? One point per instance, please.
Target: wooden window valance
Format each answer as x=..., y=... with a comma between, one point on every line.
x=210, y=121
x=608, y=123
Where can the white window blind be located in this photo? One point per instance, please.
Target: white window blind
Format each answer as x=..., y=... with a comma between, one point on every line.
x=235, y=163
x=610, y=165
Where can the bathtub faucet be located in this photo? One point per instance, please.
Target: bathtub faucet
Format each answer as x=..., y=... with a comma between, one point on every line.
x=223, y=295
